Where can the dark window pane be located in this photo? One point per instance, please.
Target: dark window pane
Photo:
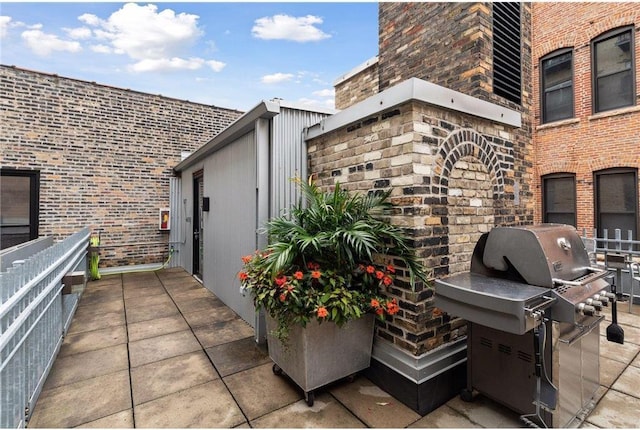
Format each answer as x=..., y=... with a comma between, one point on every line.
x=617, y=192
x=614, y=91
x=613, y=72
x=14, y=200
x=559, y=199
x=557, y=82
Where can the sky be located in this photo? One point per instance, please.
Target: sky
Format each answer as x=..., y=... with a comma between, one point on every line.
x=231, y=55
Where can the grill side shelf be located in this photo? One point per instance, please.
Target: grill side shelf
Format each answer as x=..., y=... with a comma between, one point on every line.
x=492, y=302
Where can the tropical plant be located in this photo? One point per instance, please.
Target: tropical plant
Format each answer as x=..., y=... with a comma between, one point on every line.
x=320, y=261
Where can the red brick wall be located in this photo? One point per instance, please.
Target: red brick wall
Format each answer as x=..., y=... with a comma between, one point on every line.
x=587, y=142
x=105, y=156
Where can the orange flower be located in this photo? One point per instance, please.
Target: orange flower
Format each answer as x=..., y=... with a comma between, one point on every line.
x=379, y=274
x=391, y=269
x=316, y=274
x=392, y=307
x=371, y=269
x=298, y=275
x=375, y=303
x=379, y=311
x=387, y=280
x=283, y=297
x=322, y=312
x=246, y=259
x=243, y=276
x=281, y=280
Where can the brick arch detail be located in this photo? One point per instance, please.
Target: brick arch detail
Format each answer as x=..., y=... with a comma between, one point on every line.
x=549, y=47
x=558, y=166
x=611, y=22
x=468, y=142
x=614, y=161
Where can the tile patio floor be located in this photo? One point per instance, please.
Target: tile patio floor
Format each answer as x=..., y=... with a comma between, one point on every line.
x=159, y=350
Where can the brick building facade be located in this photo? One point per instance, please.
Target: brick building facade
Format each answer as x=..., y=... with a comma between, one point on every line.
x=588, y=143
x=454, y=171
x=104, y=156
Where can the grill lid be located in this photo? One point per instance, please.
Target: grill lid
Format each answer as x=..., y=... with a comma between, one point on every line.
x=539, y=254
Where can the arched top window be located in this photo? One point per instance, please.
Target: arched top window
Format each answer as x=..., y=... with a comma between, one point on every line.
x=559, y=198
x=556, y=85
x=613, y=69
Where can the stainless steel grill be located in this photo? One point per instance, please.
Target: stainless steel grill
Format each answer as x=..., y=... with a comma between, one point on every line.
x=533, y=306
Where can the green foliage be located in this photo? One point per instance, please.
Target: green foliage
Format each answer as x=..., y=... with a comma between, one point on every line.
x=319, y=263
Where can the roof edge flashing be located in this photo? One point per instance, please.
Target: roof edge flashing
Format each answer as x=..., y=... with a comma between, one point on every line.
x=418, y=90
x=265, y=109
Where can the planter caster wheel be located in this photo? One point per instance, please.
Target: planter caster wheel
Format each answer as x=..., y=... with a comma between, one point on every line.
x=466, y=395
x=276, y=370
x=352, y=378
x=309, y=397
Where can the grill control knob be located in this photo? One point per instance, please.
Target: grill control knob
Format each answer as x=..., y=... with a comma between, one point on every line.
x=602, y=298
x=586, y=309
x=597, y=304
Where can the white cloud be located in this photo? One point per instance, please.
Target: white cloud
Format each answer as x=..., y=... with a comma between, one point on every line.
x=78, y=33
x=311, y=103
x=44, y=44
x=276, y=78
x=175, y=63
x=156, y=40
x=285, y=27
x=324, y=93
x=101, y=49
x=4, y=25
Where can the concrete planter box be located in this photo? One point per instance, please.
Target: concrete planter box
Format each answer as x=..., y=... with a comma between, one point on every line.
x=319, y=354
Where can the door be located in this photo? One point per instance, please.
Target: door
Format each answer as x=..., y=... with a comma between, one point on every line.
x=198, y=224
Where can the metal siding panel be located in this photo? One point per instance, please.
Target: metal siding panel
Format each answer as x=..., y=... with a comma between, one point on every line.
x=288, y=155
x=230, y=225
x=177, y=234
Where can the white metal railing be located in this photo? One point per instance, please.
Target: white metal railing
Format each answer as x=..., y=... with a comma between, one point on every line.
x=598, y=249
x=31, y=323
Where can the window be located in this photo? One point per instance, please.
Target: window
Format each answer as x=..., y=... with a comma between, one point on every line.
x=507, y=68
x=19, y=202
x=557, y=86
x=559, y=198
x=613, y=77
x=617, y=201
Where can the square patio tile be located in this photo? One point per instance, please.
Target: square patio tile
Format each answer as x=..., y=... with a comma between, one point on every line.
x=623, y=353
x=113, y=304
x=87, y=365
x=120, y=420
x=136, y=284
x=195, y=293
x=224, y=332
x=206, y=317
x=154, y=300
x=636, y=362
x=485, y=412
x=100, y=300
x=616, y=410
x=207, y=405
x=629, y=383
x=144, y=292
x=444, y=417
x=610, y=370
x=89, y=322
x=92, y=340
x=237, y=356
x=169, y=376
x=199, y=304
x=156, y=327
x=106, y=280
x=258, y=391
x=59, y=407
x=181, y=285
x=375, y=407
x=145, y=313
x=326, y=412
x=162, y=347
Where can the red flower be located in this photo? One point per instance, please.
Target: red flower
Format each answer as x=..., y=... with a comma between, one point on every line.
x=375, y=304
x=281, y=280
x=298, y=275
x=379, y=311
x=243, y=276
x=247, y=258
x=316, y=274
x=371, y=269
x=392, y=307
x=313, y=266
x=322, y=312
x=379, y=274
x=391, y=269
x=387, y=280
x=283, y=297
